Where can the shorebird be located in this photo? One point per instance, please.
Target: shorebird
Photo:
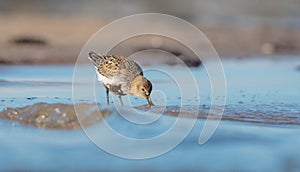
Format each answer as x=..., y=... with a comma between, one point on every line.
x=121, y=76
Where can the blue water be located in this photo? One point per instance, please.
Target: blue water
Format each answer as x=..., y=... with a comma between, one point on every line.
x=261, y=95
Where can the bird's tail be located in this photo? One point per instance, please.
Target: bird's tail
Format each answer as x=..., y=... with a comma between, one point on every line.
x=95, y=58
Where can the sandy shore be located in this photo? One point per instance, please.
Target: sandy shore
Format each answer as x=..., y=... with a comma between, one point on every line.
x=58, y=40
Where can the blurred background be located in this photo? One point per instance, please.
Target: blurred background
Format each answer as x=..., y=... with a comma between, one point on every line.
x=259, y=45
x=54, y=31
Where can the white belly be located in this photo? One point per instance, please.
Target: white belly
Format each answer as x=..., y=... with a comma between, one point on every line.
x=115, y=86
x=104, y=79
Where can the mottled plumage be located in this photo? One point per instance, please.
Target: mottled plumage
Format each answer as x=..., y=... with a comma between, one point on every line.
x=121, y=76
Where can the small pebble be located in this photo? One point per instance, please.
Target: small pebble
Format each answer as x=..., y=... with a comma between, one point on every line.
x=57, y=110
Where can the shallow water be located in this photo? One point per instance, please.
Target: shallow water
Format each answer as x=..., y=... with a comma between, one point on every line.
x=260, y=124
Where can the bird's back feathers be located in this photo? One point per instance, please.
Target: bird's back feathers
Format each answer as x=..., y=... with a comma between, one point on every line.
x=111, y=65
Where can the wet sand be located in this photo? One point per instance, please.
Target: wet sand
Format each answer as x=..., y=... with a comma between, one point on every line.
x=63, y=117
x=56, y=116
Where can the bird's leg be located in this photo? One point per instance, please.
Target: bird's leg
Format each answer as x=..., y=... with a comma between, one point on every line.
x=121, y=100
x=107, y=95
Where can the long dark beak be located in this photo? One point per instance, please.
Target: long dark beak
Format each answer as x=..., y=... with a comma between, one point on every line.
x=149, y=101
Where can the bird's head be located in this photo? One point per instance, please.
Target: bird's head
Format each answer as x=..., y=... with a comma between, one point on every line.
x=141, y=87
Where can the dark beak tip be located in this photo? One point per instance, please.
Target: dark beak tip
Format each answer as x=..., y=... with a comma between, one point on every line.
x=149, y=101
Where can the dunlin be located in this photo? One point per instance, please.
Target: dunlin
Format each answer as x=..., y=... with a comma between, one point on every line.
x=121, y=76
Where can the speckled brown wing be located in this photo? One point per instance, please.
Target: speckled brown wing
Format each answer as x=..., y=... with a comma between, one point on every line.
x=115, y=68
x=110, y=65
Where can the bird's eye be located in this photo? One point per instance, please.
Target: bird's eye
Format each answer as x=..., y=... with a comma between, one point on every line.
x=143, y=89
